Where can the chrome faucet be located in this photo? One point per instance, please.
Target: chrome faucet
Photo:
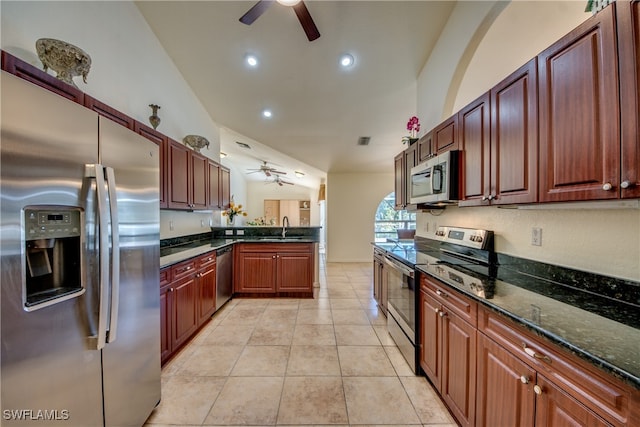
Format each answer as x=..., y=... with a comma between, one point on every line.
x=285, y=225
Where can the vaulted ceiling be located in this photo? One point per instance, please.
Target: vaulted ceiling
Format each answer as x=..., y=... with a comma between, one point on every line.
x=319, y=109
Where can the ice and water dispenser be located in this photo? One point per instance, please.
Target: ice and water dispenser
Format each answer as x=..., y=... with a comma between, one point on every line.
x=53, y=242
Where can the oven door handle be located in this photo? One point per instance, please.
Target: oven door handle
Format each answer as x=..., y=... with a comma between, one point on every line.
x=399, y=266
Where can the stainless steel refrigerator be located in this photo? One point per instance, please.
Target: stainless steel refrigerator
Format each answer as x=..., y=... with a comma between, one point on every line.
x=79, y=265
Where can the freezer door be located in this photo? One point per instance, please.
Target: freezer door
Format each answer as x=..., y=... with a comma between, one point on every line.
x=50, y=373
x=131, y=357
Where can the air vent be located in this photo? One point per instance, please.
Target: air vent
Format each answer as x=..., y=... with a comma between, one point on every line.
x=364, y=140
x=243, y=145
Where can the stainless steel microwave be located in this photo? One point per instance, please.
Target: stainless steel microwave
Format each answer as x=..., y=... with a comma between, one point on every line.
x=436, y=180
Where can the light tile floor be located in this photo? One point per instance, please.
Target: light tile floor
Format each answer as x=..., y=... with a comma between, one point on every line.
x=322, y=361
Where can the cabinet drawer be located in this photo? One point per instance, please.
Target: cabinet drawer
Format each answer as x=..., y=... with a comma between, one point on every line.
x=183, y=269
x=206, y=260
x=585, y=383
x=165, y=276
x=454, y=301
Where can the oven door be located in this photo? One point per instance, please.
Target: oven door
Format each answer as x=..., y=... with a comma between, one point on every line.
x=401, y=309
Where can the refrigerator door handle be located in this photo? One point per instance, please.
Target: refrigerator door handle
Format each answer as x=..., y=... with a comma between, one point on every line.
x=115, y=255
x=96, y=171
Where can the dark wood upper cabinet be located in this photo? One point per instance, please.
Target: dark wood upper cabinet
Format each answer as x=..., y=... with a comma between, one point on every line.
x=628, y=21
x=199, y=177
x=400, y=183
x=162, y=141
x=179, y=176
x=475, y=143
x=224, y=192
x=213, y=195
x=579, y=113
x=109, y=112
x=425, y=147
x=445, y=135
x=514, y=137
x=35, y=75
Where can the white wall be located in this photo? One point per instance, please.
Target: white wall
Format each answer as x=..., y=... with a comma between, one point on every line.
x=258, y=192
x=597, y=240
x=127, y=76
x=352, y=201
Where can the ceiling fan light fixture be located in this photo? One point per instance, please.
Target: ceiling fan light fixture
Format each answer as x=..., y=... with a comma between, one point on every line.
x=347, y=60
x=223, y=154
x=288, y=2
x=298, y=174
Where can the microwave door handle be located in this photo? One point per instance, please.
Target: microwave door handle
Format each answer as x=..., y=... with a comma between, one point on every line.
x=436, y=178
x=96, y=171
x=115, y=255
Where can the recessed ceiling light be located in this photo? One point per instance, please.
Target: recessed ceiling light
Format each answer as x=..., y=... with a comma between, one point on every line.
x=288, y=2
x=267, y=113
x=252, y=61
x=346, y=60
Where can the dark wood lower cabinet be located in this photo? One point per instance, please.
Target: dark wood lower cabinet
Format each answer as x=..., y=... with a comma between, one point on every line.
x=187, y=301
x=504, y=394
x=274, y=269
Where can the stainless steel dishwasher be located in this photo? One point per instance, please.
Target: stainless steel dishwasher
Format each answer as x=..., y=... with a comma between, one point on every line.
x=224, y=275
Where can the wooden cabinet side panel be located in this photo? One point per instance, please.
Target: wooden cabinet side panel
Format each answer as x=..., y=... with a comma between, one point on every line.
x=179, y=176
x=628, y=21
x=514, y=137
x=502, y=398
x=459, y=367
x=400, y=181
x=579, y=113
x=225, y=188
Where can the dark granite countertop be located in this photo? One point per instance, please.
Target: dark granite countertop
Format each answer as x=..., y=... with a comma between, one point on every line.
x=575, y=310
x=179, y=249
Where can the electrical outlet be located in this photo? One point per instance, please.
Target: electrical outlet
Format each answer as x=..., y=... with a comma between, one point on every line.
x=536, y=236
x=171, y=225
x=202, y=223
x=228, y=232
x=240, y=232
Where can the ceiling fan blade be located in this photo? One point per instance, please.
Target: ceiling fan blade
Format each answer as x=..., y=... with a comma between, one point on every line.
x=306, y=21
x=256, y=11
x=278, y=172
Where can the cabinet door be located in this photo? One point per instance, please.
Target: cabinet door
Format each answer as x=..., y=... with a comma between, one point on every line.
x=185, y=296
x=430, y=338
x=206, y=293
x=425, y=147
x=628, y=21
x=579, y=114
x=224, y=191
x=162, y=141
x=445, y=135
x=179, y=176
x=213, y=193
x=514, y=137
x=555, y=408
x=400, y=185
x=295, y=272
x=504, y=394
x=199, y=178
x=32, y=74
x=255, y=272
x=475, y=143
x=458, y=367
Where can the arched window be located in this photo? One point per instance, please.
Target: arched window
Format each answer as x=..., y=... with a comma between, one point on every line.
x=388, y=220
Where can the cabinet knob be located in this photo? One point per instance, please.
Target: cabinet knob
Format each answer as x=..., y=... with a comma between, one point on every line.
x=625, y=184
x=607, y=186
x=485, y=198
x=170, y=289
x=188, y=268
x=491, y=197
x=524, y=379
x=442, y=314
x=440, y=293
x=437, y=310
x=537, y=389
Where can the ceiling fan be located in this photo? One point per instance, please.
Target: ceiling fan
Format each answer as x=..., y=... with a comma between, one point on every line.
x=299, y=8
x=278, y=180
x=266, y=169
